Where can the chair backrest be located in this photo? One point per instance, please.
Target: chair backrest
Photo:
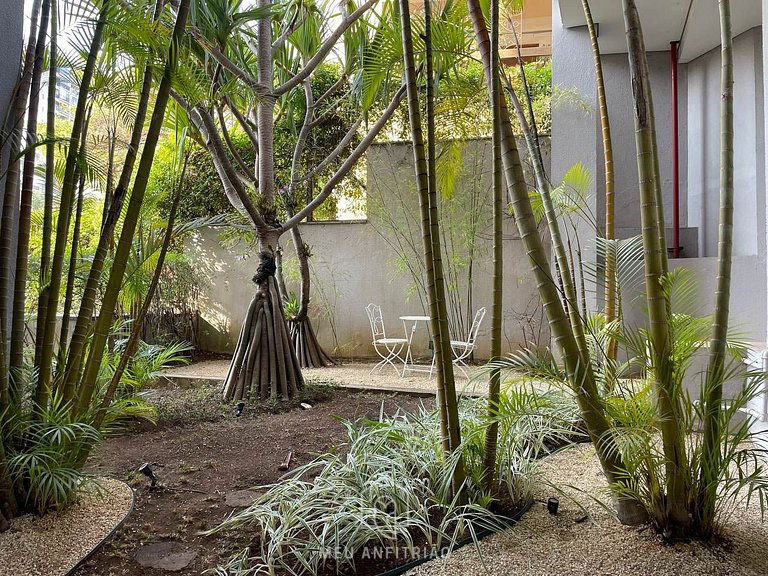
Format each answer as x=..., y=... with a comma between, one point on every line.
x=475, y=328
x=376, y=320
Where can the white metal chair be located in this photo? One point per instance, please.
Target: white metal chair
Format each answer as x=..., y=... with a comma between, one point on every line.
x=388, y=349
x=463, y=348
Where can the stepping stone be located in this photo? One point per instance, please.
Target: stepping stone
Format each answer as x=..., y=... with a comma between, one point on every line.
x=240, y=498
x=171, y=556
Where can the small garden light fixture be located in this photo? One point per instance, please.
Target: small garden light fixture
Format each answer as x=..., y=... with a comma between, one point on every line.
x=552, y=505
x=146, y=469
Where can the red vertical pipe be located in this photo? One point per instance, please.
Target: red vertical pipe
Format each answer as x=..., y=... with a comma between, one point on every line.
x=675, y=158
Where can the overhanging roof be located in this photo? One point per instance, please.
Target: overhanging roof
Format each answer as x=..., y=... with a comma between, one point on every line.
x=695, y=23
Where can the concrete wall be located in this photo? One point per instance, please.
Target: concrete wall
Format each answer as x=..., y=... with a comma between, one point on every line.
x=699, y=129
x=356, y=263
x=704, y=147
x=619, y=96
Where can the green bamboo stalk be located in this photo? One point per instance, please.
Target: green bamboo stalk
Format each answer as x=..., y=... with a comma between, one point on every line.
x=75, y=356
x=610, y=182
x=50, y=162
x=69, y=291
x=138, y=320
x=494, y=386
x=445, y=358
x=65, y=207
x=676, y=511
x=88, y=300
x=430, y=226
x=713, y=395
x=18, y=320
x=104, y=321
x=579, y=373
x=11, y=205
x=564, y=263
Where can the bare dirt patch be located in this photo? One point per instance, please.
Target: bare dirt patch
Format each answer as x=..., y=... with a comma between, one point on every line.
x=205, y=459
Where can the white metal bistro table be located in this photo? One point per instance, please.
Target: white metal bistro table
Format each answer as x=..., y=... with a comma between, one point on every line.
x=408, y=363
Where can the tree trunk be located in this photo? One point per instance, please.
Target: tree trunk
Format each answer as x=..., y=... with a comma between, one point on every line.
x=138, y=320
x=494, y=386
x=50, y=163
x=713, y=391
x=122, y=253
x=69, y=290
x=303, y=339
x=424, y=164
x=77, y=346
x=264, y=355
x=65, y=207
x=18, y=321
x=676, y=520
x=10, y=207
x=611, y=293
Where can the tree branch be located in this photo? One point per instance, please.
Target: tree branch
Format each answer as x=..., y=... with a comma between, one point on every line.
x=230, y=179
x=292, y=27
x=324, y=49
x=233, y=150
x=227, y=64
x=349, y=163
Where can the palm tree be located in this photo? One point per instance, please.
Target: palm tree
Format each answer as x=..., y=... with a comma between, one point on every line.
x=659, y=339
x=68, y=187
x=494, y=387
x=11, y=206
x=25, y=429
x=578, y=365
x=611, y=297
x=72, y=371
x=130, y=220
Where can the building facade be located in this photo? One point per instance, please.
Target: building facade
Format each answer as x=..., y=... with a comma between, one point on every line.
x=683, y=42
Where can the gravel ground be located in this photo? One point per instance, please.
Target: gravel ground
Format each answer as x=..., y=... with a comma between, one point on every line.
x=348, y=374
x=568, y=545
x=52, y=544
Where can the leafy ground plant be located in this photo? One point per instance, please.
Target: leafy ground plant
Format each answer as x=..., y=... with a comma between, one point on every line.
x=389, y=487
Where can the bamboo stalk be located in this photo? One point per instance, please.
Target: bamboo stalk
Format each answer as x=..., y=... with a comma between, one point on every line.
x=65, y=206
x=579, y=373
x=18, y=320
x=104, y=321
x=494, y=386
x=713, y=397
x=425, y=177
x=676, y=512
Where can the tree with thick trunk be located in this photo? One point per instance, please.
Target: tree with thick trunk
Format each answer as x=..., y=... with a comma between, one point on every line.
x=266, y=362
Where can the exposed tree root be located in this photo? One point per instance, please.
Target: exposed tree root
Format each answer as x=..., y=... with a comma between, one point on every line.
x=264, y=365
x=306, y=346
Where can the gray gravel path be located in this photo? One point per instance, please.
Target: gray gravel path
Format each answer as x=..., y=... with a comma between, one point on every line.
x=349, y=374
x=560, y=546
x=51, y=545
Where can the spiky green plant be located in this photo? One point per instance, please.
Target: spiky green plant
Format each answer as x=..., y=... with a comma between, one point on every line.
x=43, y=462
x=390, y=484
